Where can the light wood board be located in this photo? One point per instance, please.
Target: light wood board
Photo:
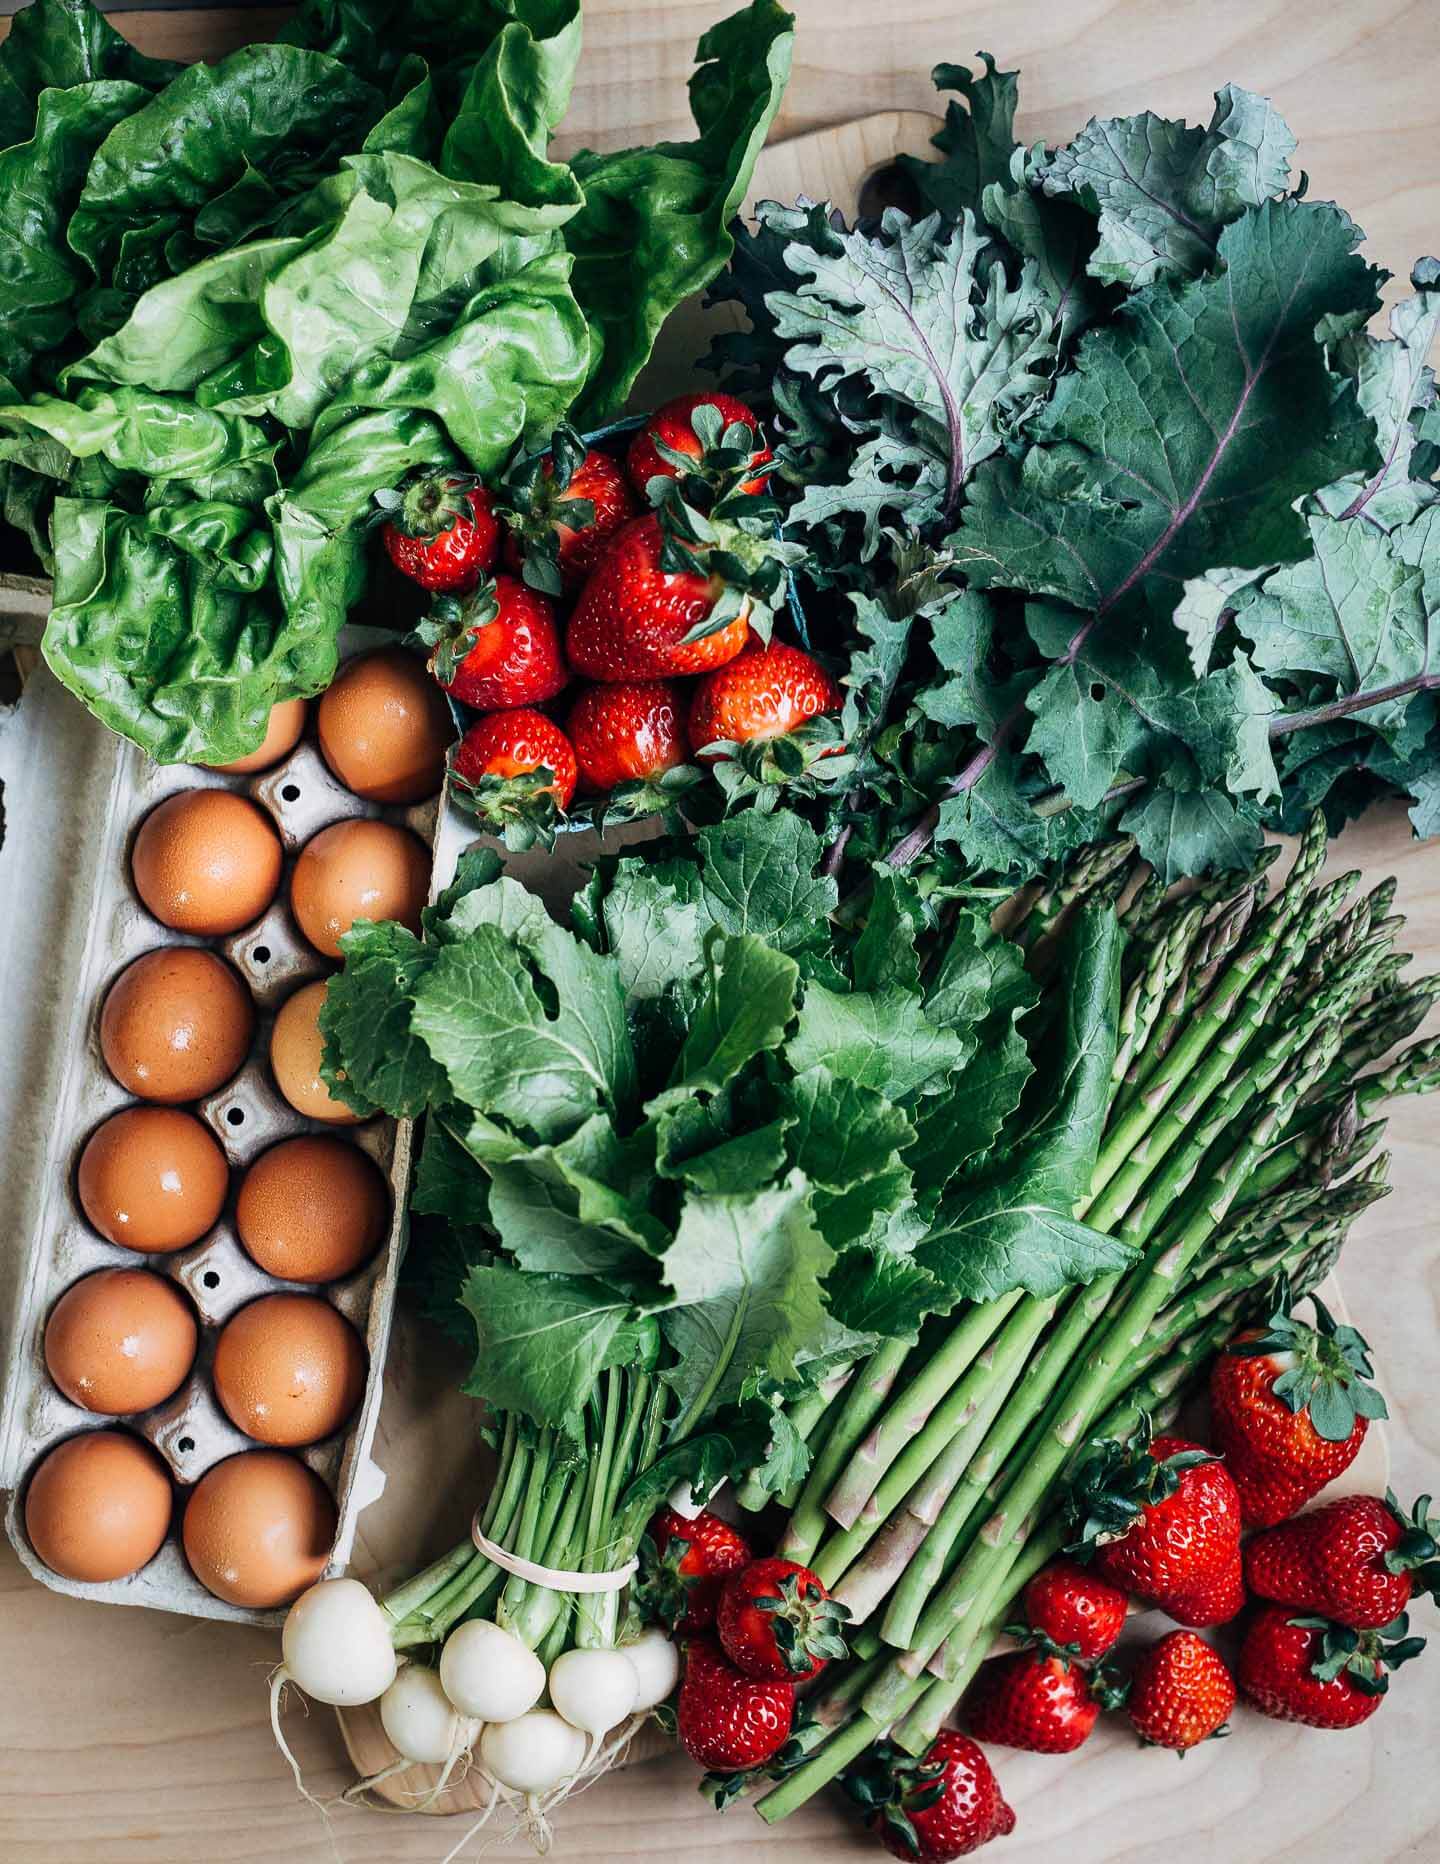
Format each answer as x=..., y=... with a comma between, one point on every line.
x=130, y=1739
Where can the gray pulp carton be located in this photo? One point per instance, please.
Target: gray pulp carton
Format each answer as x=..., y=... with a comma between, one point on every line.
x=69, y=924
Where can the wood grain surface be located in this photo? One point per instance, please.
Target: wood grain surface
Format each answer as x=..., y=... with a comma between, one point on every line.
x=131, y=1738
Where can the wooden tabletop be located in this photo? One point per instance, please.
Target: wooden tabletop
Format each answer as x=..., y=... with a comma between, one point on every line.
x=127, y=1737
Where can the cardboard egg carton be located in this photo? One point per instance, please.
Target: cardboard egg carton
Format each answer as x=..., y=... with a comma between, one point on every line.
x=70, y=923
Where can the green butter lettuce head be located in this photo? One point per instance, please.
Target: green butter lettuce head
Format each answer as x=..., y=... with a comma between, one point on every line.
x=243, y=298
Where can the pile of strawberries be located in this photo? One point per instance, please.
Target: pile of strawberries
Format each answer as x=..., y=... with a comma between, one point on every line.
x=655, y=580
x=1199, y=1533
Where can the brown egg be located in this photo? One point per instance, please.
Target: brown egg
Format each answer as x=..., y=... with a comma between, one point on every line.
x=312, y=1209
x=282, y=734
x=358, y=870
x=98, y=1507
x=384, y=728
x=289, y=1369
x=152, y=1179
x=258, y=1529
x=120, y=1341
x=295, y=1049
x=177, y=1024
x=206, y=861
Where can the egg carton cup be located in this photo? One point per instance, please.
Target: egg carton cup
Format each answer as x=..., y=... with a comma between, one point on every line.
x=70, y=923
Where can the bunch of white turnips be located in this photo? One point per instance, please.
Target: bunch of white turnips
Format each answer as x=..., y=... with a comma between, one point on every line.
x=483, y=1701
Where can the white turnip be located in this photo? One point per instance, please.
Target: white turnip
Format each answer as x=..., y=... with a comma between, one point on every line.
x=336, y=1644
x=655, y=1658
x=534, y=1753
x=421, y=1721
x=594, y=1689
x=488, y=1673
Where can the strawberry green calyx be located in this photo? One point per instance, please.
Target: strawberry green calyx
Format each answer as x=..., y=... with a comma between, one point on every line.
x=1364, y=1657
x=726, y=463
x=452, y=625
x=428, y=501
x=1417, y=1552
x=805, y=1623
x=1330, y=1376
x=734, y=543
x=535, y=497
x=803, y=761
x=662, y=795
x=1114, y=1483
x=661, y=1592
x=891, y=1785
x=521, y=808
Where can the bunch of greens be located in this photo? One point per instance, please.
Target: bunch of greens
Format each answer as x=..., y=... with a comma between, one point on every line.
x=241, y=298
x=1116, y=512
x=707, y=1111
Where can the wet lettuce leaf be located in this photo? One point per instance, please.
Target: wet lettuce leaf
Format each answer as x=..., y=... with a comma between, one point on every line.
x=655, y=226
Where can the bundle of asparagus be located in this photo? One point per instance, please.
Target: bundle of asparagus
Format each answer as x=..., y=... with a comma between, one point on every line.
x=1239, y=1145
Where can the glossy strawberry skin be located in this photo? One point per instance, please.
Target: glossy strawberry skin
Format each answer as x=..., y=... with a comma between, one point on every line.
x=601, y=481
x=1277, y=1458
x=1182, y=1543
x=729, y=1721
x=746, y=1629
x=632, y=616
x=1028, y=1700
x=1074, y=1607
x=454, y=558
x=970, y=1811
x=1275, y=1674
x=508, y=744
x=1332, y=1561
x=1180, y=1692
x=713, y=1550
x=671, y=424
x=515, y=660
x=627, y=732
x=763, y=693
x=1215, y=1601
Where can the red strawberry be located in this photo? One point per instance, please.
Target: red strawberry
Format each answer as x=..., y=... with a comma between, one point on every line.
x=674, y=430
x=1078, y=1611
x=1214, y=1601
x=944, y=1805
x=440, y=529
x=561, y=508
x=776, y=1620
x=684, y=1563
x=1357, y=1560
x=1180, y=1693
x=1300, y=1669
x=1035, y=1700
x=729, y=1721
x=1290, y=1406
x=633, y=616
x=764, y=693
x=627, y=732
x=499, y=769
x=1163, y=1523
x=498, y=649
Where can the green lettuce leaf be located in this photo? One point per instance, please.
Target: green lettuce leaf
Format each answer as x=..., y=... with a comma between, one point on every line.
x=40, y=181
x=57, y=45
x=654, y=228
